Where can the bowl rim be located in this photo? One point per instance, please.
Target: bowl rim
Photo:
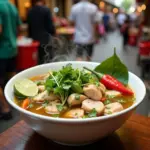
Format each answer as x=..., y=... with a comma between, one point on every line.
x=69, y=120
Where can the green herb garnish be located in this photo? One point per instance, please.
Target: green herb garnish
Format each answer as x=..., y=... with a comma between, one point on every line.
x=59, y=107
x=97, y=84
x=109, y=112
x=40, y=82
x=77, y=97
x=85, y=116
x=46, y=102
x=67, y=81
x=76, y=114
x=110, y=96
x=76, y=87
x=30, y=105
x=93, y=113
x=106, y=102
x=133, y=99
x=55, y=115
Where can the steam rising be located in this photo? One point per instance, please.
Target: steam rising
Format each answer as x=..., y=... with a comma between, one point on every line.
x=61, y=49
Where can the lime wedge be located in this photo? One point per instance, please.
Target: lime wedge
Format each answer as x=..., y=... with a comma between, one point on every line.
x=26, y=87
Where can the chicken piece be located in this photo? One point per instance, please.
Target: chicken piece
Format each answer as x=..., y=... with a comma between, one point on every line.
x=102, y=88
x=112, y=94
x=41, y=88
x=113, y=108
x=75, y=99
x=74, y=113
x=41, y=97
x=88, y=105
x=93, y=92
x=52, y=107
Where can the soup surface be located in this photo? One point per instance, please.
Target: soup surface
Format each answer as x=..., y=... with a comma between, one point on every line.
x=77, y=94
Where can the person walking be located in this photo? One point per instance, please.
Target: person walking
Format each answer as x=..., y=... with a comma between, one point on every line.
x=9, y=25
x=83, y=17
x=125, y=33
x=41, y=27
x=121, y=17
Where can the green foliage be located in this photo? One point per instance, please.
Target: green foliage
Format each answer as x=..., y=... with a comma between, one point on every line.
x=93, y=113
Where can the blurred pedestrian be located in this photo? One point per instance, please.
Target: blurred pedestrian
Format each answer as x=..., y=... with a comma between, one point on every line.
x=9, y=25
x=101, y=28
x=40, y=26
x=133, y=18
x=121, y=17
x=125, y=32
x=83, y=16
x=106, y=20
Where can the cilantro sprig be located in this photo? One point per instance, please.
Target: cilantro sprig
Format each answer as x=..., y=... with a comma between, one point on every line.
x=67, y=81
x=93, y=113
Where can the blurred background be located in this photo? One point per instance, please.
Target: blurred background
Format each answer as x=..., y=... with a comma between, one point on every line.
x=60, y=30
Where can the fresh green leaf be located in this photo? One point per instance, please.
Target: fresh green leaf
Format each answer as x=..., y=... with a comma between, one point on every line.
x=77, y=97
x=41, y=82
x=89, y=78
x=66, y=70
x=97, y=84
x=68, y=81
x=30, y=105
x=110, y=96
x=76, y=114
x=76, y=87
x=85, y=77
x=66, y=87
x=38, y=83
x=114, y=67
x=58, y=90
x=93, y=113
x=46, y=102
x=55, y=115
x=106, y=102
x=59, y=107
x=48, y=89
x=50, y=84
x=85, y=116
x=133, y=99
x=109, y=112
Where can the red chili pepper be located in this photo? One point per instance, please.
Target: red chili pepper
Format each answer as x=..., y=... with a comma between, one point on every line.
x=112, y=83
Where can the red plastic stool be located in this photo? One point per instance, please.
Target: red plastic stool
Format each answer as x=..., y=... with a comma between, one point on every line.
x=27, y=56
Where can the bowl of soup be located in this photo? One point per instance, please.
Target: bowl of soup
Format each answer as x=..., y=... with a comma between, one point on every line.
x=66, y=103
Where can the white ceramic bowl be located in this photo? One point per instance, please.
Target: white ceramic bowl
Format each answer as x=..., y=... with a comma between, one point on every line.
x=73, y=131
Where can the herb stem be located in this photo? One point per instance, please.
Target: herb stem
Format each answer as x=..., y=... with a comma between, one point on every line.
x=65, y=98
x=79, y=75
x=57, y=85
x=55, y=79
x=61, y=78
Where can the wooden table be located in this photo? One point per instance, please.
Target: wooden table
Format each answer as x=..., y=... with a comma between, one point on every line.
x=133, y=135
